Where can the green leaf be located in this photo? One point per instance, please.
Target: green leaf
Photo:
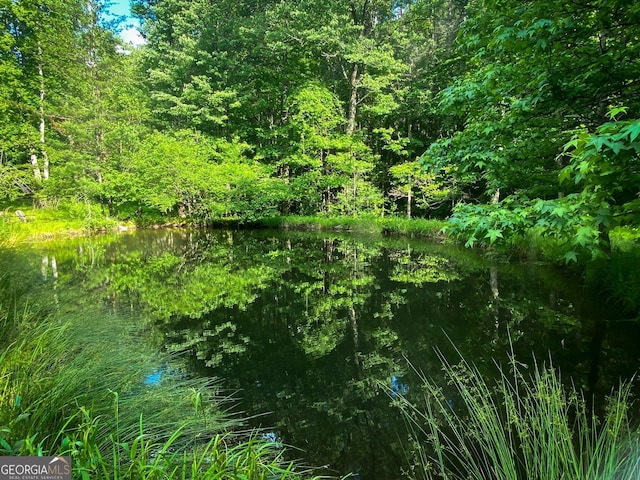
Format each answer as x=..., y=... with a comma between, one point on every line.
x=571, y=144
x=5, y=446
x=559, y=211
x=493, y=235
x=583, y=166
x=634, y=130
x=564, y=175
x=21, y=417
x=570, y=256
x=614, y=112
x=583, y=236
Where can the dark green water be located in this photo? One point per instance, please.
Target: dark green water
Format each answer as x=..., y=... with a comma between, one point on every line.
x=317, y=332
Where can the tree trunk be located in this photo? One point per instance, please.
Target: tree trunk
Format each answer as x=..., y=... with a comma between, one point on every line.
x=353, y=100
x=33, y=155
x=54, y=267
x=36, y=167
x=45, y=158
x=604, y=239
x=495, y=198
x=409, y=200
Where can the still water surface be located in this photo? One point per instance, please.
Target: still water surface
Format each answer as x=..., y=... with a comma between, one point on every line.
x=320, y=332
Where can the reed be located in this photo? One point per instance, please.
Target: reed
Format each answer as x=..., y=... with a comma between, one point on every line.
x=520, y=427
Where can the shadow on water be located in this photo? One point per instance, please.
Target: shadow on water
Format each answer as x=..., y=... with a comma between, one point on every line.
x=308, y=327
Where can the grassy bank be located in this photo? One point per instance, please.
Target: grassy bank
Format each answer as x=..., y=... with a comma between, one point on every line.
x=68, y=219
x=418, y=227
x=85, y=387
x=73, y=219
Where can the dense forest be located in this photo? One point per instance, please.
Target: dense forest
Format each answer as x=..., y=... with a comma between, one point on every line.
x=510, y=125
x=502, y=115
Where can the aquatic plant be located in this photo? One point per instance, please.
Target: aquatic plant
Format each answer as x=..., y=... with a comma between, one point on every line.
x=520, y=427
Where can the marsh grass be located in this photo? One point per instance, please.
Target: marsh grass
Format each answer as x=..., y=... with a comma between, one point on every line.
x=522, y=427
x=79, y=387
x=363, y=224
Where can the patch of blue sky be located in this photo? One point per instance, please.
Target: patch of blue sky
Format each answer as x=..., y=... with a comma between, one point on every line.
x=120, y=8
x=129, y=27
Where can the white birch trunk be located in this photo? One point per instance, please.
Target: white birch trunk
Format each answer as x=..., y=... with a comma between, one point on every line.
x=45, y=157
x=36, y=168
x=353, y=101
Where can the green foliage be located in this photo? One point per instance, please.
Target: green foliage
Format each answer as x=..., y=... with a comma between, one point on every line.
x=192, y=176
x=306, y=85
x=567, y=221
x=366, y=224
x=540, y=77
x=14, y=182
x=328, y=170
x=63, y=219
x=235, y=111
x=423, y=269
x=104, y=123
x=210, y=285
x=604, y=165
x=418, y=185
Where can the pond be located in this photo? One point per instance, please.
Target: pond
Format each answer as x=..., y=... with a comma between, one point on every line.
x=316, y=333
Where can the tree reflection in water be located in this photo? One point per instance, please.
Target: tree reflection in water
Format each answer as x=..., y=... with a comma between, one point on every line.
x=318, y=329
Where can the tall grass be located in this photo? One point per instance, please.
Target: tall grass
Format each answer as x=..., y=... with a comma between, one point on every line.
x=521, y=427
x=76, y=386
x=8, y=233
